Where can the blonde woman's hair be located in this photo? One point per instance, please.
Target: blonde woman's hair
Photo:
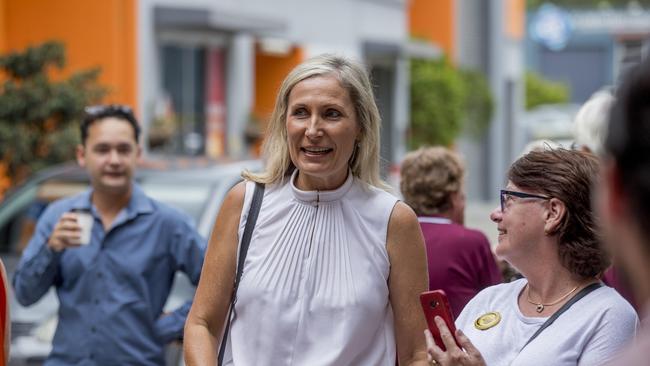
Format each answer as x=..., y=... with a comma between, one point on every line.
x=353, y=77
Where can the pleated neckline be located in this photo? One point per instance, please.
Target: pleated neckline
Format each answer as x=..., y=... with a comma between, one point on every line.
x=314, y=197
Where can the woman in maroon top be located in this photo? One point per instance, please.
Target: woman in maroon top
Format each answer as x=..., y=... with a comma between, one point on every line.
x=460, y=259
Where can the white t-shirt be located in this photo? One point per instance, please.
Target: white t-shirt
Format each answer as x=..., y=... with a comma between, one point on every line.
x=636, y=354
x=590, y=332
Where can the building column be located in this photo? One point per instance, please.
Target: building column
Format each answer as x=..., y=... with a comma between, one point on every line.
x=240, y=91
x=498, y=148
x=148, y=70
x=215, y=110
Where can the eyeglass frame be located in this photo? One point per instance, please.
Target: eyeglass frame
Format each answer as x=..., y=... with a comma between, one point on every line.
x=505, y=192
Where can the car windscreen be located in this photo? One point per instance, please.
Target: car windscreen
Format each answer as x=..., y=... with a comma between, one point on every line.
x=189, y=197
x=19, y=214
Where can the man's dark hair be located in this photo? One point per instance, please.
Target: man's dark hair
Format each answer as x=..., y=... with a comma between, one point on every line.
x=567, y=175
x=95, y=113
x=628, y=140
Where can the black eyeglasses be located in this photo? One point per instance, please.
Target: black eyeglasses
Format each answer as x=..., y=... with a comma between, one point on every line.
x=504, y=193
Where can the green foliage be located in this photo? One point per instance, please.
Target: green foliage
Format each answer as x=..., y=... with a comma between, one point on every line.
x=446, y=100
x=38, y=116
x=478, y=102
x=542, y=91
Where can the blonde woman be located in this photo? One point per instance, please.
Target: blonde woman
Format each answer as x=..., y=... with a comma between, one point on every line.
x=335, y=263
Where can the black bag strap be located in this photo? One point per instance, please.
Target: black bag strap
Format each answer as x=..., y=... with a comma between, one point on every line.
x=564, y=308
x=253, y=212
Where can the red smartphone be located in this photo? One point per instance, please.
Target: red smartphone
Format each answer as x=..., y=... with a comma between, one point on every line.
x=435, y=303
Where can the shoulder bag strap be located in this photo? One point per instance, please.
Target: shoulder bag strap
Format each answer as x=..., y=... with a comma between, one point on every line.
x=253, y=212
x=564, y=308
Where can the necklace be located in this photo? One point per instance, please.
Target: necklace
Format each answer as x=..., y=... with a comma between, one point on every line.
x=539, y=306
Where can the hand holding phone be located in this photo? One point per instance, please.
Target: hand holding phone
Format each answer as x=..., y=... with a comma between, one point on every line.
x=435, y=303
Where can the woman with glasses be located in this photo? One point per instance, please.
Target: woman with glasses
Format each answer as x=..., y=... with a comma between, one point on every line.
x=559, y=313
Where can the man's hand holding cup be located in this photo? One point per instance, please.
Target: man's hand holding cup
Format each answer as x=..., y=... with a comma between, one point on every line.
x=73, y=230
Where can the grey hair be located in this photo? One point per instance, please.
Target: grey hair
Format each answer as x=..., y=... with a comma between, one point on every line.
x=590, y=124
x=353, y=77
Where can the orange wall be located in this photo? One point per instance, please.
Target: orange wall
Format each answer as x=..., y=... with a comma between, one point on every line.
x=515, y=18
x=270, y=71
x=2, y=25
x=95, y=33
x=433, y=20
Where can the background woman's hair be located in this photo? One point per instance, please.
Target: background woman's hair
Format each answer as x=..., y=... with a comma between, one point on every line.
x=354, y=78
x=429, y=176
x=567, y=175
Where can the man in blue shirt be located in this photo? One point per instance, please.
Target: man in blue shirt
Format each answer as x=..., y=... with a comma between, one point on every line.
x=112, y=290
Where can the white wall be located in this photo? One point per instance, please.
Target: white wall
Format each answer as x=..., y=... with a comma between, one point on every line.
x=335, y=26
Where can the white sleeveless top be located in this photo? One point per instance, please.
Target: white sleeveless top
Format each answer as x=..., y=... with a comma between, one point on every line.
x=314, y=290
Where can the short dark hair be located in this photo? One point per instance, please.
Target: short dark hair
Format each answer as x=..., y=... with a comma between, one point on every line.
x=567, y=175
x=628, y=140
x=429, y=177
x=97, y=112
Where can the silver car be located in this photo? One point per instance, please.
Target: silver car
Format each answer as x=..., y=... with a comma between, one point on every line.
x=197, y=188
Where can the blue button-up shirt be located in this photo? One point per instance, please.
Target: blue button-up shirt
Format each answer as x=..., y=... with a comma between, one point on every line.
x=112, y=291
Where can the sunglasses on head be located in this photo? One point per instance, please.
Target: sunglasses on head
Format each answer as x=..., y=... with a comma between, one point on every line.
x=100, y=109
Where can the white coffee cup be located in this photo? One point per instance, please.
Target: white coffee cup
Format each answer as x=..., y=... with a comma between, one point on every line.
x=85, y=220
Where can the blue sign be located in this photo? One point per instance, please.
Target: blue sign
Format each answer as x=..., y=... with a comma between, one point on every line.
x=551, y=26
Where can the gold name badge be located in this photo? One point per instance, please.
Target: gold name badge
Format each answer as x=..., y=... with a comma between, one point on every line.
x=487, y=320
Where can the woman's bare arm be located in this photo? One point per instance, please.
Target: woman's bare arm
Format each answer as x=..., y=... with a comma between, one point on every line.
x=408, y=278
x=206, y=319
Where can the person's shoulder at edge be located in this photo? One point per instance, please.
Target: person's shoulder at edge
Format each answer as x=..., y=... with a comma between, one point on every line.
x=235, y=197
x=635, y=353
x=402, y=222
x=402, y=214
x=403, y=232
x=614, y=304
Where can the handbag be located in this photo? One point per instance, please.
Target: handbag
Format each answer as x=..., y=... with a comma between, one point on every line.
x=253, y=212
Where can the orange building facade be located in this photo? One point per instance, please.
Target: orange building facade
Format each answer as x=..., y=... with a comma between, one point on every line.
x=434, y=21
x=104, y=34
x=203, y=75
x=439, y=21
x=95, y=33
